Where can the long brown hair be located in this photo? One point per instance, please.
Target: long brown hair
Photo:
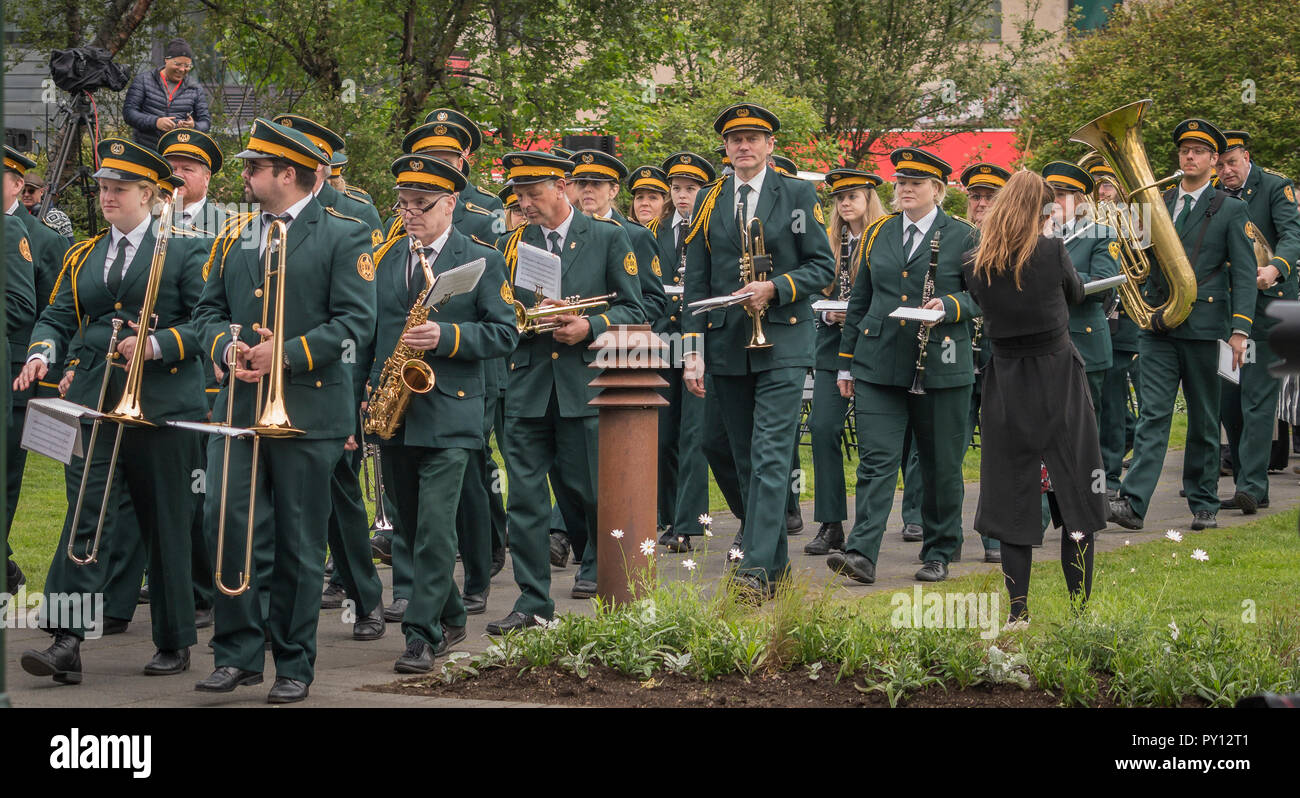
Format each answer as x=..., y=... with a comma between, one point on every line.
x=1012, y=226
x=874, y=211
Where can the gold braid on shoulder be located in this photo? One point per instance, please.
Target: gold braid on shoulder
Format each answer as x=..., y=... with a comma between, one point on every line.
x=226, y=239
x=72, y=260
x=874, y=230
x=701, y=219
x=384, y=247
x=511, y=251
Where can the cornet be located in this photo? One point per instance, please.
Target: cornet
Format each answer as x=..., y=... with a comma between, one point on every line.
x=539, y=319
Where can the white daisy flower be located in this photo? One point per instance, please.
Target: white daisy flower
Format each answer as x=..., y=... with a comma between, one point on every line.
x=1199, y=554
x=735, y=554
x=705, y=519
x=616, y=534
x=1173, y=630
x=688, y=564
x=1076, y=536
x=648, y=547
x=1174, y=535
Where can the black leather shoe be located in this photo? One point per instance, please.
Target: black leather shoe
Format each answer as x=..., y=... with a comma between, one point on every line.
x=329, y=567
x=794, y=522
x=515, y=620
x=559, y=549
x=62, y=660
x=476, y=603
x=666, y=536
x=912, y=533
x=751, y=589
x=418, y=658
x=583, y=589
x=1121, y=512
x=226, y=678
x=680, y=544
x=853, y=565
x=381, y=548
x=394, y=612
x=168, y=663
x=738, y=542
x=451, y=635
x=829, y=536
x=498, y=561
x=202, y=617
x=993, y=555
x=370, y=627
x=1204, y=519
x=1112, y=494
x=331, y=598
x=932, y=571
x=144, y=594
x=14, y=576
x=115, y=626
x=286, y=691
x=1243, y=501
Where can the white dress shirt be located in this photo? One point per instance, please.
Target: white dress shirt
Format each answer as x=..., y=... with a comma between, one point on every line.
x=192, y=212
x=756, y=184
x=562, y=229
x=922, y=227
x=12, y=209
x=413, y=267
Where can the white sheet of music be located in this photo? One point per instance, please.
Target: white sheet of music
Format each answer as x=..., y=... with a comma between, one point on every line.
x=831, y=306
x=53, y=428
x=917, y=314
x=1226, y=371
x=537, y=267
x=460, y=280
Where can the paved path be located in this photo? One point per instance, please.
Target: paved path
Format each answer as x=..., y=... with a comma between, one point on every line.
x=113, y=664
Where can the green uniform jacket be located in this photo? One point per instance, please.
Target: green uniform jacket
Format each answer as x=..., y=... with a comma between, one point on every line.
x=882, y=350
x=802, y=265
x=1225, y=271
x=329, y=313
x=211, y=218
x=1270, y=202
x=478, y=198
x=654, y=302
x=828, y=335
x=48, y=249
x=597, y=260
x=475, y=329
x=331, y=197
x=80, y=320
x=670, y=321
x=20, y=288
x=1095, y=257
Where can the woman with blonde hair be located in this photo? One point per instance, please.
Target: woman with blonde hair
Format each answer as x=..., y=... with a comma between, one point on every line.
x=1036, y=410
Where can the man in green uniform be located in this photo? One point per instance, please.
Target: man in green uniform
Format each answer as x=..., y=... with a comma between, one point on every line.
x=330, y=274
x=329, y=197
x=760, y=388
x=1249, y=410
x=1212, y=227
x=424, y=462
x=552, y=426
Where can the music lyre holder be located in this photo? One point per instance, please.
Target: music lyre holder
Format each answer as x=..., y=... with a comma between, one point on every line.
x=77, y=120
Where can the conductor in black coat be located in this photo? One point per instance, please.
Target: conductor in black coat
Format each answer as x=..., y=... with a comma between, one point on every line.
x=1036, y=407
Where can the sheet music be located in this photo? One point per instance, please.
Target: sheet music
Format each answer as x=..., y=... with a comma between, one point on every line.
x=213, y=429
x=453, y=282
x=831, y=306
x=55, y=433
x=917, y=314
x=537, y=267
x=713, y=303
x=1226, y=371
x=674, y=290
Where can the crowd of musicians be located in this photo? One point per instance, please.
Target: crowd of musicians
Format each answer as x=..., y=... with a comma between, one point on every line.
x=1044, y=371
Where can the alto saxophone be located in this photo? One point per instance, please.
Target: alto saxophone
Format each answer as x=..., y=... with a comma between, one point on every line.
x=405, y=371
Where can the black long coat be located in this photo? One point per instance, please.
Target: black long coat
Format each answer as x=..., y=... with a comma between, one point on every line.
x=1036, y=407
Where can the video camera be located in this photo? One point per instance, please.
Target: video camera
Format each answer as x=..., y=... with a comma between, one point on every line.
x=86, y=69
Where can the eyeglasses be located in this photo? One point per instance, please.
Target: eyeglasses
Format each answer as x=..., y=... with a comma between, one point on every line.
x=181, y=65
x=415, y=210
x=252, y=167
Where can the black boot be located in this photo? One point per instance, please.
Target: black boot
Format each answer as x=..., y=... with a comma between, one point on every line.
x=829, y=536
x=62, y=659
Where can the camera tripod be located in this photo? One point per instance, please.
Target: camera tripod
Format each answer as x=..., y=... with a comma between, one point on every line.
x=77, y=121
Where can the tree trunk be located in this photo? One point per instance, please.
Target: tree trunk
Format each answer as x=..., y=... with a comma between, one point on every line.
x=120, y=21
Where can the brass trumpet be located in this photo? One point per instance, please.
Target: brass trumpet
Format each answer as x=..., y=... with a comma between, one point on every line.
x=755, y=266
x=273, y=417
x=127, y=411
x=539, y=319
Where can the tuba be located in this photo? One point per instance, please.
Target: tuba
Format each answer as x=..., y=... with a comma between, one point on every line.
x=1116, y=137
x=405, y=371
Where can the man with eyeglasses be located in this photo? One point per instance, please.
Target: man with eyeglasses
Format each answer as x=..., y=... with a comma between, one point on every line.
x=160, y=100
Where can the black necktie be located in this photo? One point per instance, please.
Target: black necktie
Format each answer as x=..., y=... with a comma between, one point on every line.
x=267, y=218
x=415, y=282
x=114, y=279
x=742, y=215
x=912, y=231
x=554, y=238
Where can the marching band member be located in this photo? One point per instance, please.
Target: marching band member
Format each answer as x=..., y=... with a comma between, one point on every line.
x=648, y=186
x=881, y=359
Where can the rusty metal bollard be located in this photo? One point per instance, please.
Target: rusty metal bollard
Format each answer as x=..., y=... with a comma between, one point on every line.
x=630, y=357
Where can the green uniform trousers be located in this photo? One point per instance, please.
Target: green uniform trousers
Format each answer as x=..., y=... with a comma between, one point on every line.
x=473, y=521
x=762, y=419
x=426, y=488
x=1249, y=413
x=349, y=536
x=683, y=468
x=1167, y=362
x=1117, y=417
x=533, y=447
x=154, y=469
x=938, y=420
x=289, y=478
x=826, y=424
x=912, y=492
x=497, y=476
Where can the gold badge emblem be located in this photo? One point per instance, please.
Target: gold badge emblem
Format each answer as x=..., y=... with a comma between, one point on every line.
x=507, y=296
x=376, y=238
x=1290, y=193
x=1113, y=249
x=818, y=215
x=516, y=161
x=287, y=123
x=984, y=170
x=440, y=130
x=654, y=267
x=742, y=112
x=685, y=159
x=116, y=148
x=25, y=249
x=1193, y=126
x=183, y=138
x=416, y=166
x=645, y=172
x=442, y=116
x=366, y=267
x=1250, y=231
x=588, y=158
x=629, y=264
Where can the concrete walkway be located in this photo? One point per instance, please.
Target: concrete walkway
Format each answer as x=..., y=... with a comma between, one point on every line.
x=112, y=665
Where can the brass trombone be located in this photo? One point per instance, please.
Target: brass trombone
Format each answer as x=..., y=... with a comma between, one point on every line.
x=539, y=319
x=127, y=411
x=272, y=417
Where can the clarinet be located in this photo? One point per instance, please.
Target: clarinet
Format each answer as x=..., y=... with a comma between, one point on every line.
x=975, y=343
x=923, y=335
x=846, y=261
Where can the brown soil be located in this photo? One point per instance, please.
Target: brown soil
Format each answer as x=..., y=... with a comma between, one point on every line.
x=605, y=687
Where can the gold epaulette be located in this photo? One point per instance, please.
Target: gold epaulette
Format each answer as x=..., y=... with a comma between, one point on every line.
x=701, y=220
x=358, y=195
x=471, y=207
x=225, y=240
x=481, y=241
x=333, y=212
x=72, y=260
x=1274, y=172
x=485, y=191
x=609, y=219
x=963, y=220
x=511, y=251
x=874, y=230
